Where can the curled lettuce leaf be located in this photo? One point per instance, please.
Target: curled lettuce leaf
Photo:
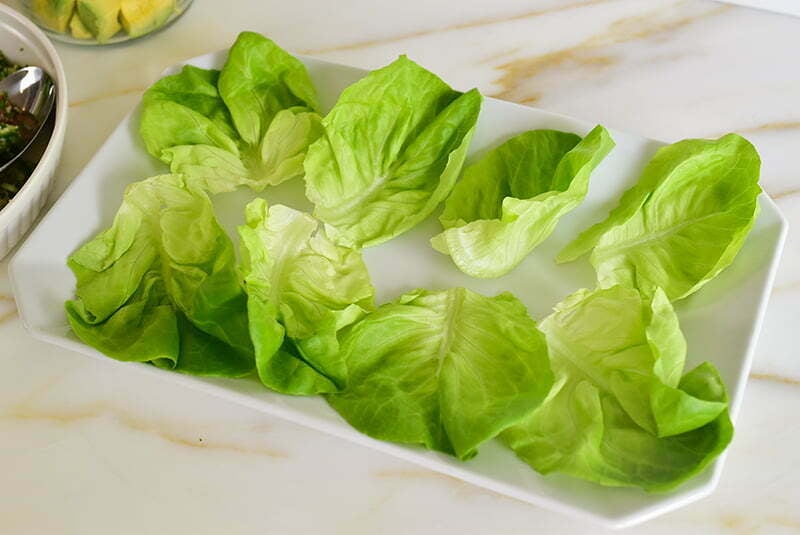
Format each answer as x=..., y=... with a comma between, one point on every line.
x=682, y=223
x=160, y=285
x=248, y=125
x=619, y=413
x=448, y=370
x=302, y=289
x=509, y=201
x=393, y=147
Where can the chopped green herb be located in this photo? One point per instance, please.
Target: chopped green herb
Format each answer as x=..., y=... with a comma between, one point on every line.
x=7, y=67
x=16, y=129
x=12, y=179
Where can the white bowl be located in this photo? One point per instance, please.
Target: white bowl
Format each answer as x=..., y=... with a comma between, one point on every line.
x=23, y=42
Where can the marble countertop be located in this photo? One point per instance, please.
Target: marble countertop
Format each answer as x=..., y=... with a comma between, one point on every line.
x=87, y=448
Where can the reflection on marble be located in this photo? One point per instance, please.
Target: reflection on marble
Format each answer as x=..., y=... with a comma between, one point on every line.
x=90, y=448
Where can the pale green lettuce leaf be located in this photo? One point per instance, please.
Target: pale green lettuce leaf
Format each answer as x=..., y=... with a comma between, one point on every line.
x=259, y=80
x=448, y=370
x=248, y=125
x=393, y=147
x=186, y=109
x=682, y=223
x=160, y=285
x=619, y=413
x=510, y=200
x=302, y=290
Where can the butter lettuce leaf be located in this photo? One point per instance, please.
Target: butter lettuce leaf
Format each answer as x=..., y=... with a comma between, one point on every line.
x=302, y=289
x=247, y=125
x=682, y=223
x=510, y=200
x=392, y=149
x=620, y=414
x=160, y=285
x=448, y=370
x=259, y=80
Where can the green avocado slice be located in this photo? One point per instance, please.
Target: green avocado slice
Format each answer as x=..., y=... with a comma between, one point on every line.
x=54, y=14
x=139, y=17
x=78, y=29
x=101, y=17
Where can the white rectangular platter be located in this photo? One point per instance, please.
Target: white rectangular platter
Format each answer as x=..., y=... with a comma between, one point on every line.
x=721, y=321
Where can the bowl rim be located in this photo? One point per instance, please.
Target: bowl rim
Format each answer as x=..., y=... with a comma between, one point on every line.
x=120, y=38
x=52, y=152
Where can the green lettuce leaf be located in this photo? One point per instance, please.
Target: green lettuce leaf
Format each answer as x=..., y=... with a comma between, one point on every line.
x=619, y=413
x=682, y=223
x=160, y=285
x=302, y=290
x=393, y=147
x=259, y=80
x=448, y=370
x=248, y=125
x=509, y=201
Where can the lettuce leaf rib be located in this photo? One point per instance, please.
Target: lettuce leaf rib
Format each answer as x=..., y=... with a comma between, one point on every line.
x=393, y=147
x=682, y=223
x=448, y=370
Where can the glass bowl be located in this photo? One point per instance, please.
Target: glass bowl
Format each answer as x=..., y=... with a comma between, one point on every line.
x=150, y=16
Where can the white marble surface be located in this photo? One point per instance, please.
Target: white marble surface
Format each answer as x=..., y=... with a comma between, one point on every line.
x=88, y=448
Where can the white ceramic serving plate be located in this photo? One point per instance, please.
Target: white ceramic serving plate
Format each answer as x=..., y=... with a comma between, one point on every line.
x=790, y=7
x=721, y=322
x=23, y=42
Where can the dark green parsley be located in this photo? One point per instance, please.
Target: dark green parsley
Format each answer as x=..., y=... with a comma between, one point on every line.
x=11, y=140
x=7, y=67
x=16, y=128
x=12, y=179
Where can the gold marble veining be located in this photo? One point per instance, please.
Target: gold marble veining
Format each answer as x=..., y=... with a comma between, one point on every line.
x=592, y=52
x=788, y=287
x=104, y=96
x=746, y=525
x=10, y=310
x=775, y=378
x=7, y=315
x=492, y=58
x=71, y=417
x=785, y=193
x=523, y=69
x=415, y=474
x=458, y=485
x=531, y=99
x=793, y=523
x=736, y=524
x=777, y=126
x=486, y=21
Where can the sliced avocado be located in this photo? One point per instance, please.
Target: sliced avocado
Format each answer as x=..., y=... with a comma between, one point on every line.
x=139, y=17
x=54, y=14
x=79, y=31
x=101, y=17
